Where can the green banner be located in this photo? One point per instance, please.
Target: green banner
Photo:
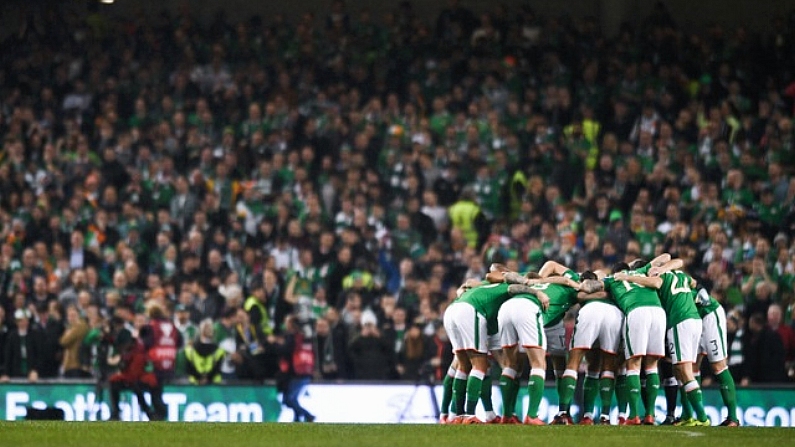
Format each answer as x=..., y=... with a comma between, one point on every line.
x=363, y=403
x=185, y=403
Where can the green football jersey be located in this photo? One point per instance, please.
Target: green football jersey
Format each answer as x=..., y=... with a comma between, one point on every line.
x=676, y=298
x=487, y=300
x=630, y=296
x=561, y=298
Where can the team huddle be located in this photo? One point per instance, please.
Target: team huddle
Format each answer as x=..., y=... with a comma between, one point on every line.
x=626, y=323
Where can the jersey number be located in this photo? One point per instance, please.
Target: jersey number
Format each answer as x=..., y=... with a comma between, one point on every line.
x=677, y=290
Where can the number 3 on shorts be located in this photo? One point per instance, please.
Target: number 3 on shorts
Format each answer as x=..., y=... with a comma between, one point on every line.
x=714, y=344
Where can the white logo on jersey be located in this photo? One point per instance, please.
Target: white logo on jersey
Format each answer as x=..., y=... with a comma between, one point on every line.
x=166, y=328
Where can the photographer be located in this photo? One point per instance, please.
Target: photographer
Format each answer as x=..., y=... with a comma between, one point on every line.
x=132, y=375
x=256, y=358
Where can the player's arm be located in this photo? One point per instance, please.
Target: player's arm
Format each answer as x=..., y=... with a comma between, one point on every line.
x=468, y=284
x=660, y=260
x=515, y=278
x=543, y=299
x=560, y=280
x=582, y=296
x=645, y=281
x=552, y=268
x=673, y=264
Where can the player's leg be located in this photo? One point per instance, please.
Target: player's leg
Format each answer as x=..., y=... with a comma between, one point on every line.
x=607, y=384
x=685, y=337
x=508, y=385
x=556, y=350
x=535, y=384
x=727, y=392
x=713, y=343
x=590, y=386
x=686, y=417
x=652, y=388
x=668, y=381
x=610, y=345
x=480, y=367
x=568, y=385
x=509, y=341
x=655, y=350
x=460, y=383
x=459, y=323
x=486, y=388
x=527, y=322
x=622, y=392
x=633, y=389
x=447, y=391
x=636, y=338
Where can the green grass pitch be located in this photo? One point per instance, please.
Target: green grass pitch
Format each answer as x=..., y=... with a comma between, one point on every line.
x=113, y=434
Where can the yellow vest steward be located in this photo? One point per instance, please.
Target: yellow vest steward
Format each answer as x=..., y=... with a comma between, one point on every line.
x=204, y=365
x=462, y=216
x=252, y=302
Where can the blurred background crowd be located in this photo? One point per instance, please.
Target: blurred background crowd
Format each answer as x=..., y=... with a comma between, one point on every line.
x=346, y=172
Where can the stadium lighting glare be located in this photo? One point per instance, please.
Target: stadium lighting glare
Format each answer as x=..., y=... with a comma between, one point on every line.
x=107, y=2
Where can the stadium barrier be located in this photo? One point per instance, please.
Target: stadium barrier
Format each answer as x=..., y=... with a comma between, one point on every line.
x=363, y=402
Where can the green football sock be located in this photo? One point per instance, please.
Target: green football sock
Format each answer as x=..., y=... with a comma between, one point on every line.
x=687, y=410
x=474, y=386
x=622, y=394
x=728, y=393
x=633, y=391
x=507, y=383
x=567, y=388
x=590, y=391
x=485, y=393
x=517, y=384
x=695, y=397
x=447, y=393
x=606, y=387
x=652, y=389
x=535, y=390
x=459, y=394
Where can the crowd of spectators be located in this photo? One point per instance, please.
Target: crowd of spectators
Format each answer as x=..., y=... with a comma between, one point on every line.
x=350, y=170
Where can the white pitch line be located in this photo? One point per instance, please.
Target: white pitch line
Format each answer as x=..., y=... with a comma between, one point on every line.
x=692, y=434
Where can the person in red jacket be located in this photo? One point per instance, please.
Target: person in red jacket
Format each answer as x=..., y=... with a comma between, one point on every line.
x=162, y=340
x=132, y=366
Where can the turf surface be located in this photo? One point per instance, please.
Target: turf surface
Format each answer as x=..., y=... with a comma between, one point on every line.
x=112, y=434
